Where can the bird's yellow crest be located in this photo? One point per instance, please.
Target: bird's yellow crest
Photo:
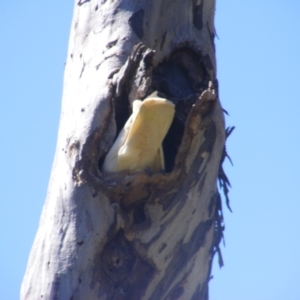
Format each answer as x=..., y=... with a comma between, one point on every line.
x=139, y=144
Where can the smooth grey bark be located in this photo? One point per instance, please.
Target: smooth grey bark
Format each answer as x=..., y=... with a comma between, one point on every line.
x=141, y=235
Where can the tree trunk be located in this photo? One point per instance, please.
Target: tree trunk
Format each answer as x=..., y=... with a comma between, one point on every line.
x=140, y=235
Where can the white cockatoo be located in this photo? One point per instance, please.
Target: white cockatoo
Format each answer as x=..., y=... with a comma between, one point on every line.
x=139, y=144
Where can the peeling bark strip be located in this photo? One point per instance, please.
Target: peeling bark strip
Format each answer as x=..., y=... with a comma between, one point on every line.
x=222, y=177
x=140, y=235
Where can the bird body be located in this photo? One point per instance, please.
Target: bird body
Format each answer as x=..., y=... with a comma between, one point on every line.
x=139, y=144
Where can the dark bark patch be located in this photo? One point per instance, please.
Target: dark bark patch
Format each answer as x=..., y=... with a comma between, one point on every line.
x=197, y=15
x=88, y=222
x=202, y=180
x=80, y=243
x=175, y=293
x=210, y=135
x=212, y=37
x=139, y=213
x=163, y=39
x=82, y=69
x=55, y=288
x=118, y=258
x=111, y=44
x=201, y=293
x=212, y=205
x=207, y=62
x=219, y=228
x=124, y=270
x=81, y=2
x=163, y=246
x=215, y=207
x=75, y=146
x=216, y=87
x=136, y=22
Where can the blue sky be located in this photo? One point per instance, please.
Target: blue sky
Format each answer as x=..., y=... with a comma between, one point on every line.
x=258, y=53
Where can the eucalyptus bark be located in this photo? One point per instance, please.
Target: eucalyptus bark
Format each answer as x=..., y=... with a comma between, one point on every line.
x=143, y=235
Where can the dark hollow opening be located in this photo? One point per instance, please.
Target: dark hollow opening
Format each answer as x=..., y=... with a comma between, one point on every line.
x=171, y=143
x=122, y=112
x=181, y=78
